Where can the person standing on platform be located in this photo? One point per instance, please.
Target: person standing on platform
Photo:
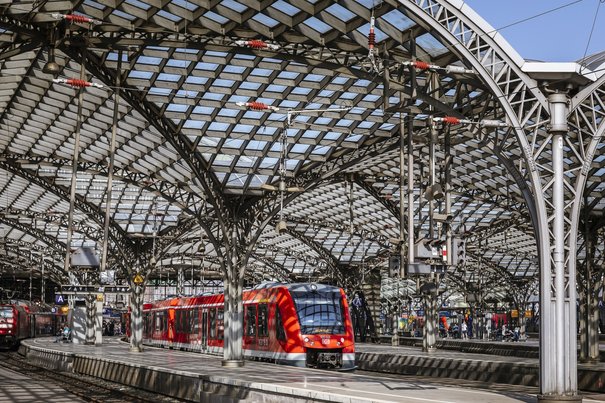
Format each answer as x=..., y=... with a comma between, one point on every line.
x=464, y=329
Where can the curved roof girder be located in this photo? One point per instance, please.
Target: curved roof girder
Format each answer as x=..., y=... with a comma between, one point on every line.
x=331, y=262
x=26, y=262
x=165, y=127
x=280, y=272
x=380, y=239
x=176, y=194
x=94, y=212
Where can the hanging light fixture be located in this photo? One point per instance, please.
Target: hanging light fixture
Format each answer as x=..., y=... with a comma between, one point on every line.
x=51, y=66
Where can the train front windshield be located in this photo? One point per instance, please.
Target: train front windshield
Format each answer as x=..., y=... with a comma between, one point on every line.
x=6, y=312
x=319, y=312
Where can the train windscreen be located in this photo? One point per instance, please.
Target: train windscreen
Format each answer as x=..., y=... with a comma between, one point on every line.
x=319, y=312
x=6, y=312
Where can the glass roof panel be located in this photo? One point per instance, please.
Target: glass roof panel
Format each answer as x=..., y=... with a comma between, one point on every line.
x=124, y=15
x=317, y=25
x=340, y=12
x=234, y=5
x=136, y=3
x=265, y=20
x=188, y=5
x=146, y=75
x=286, y=8
x=431, y=45
x=212, y=16
x=397, y=19
x=169, y=16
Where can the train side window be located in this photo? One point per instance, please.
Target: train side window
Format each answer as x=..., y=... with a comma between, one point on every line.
x=185, y=321
x=159, y=321
x=250, y=320
x=177, y=321
x=212, y=312
x=195, y=321
x=220, y=322
x=263, y=328
x=280, y=333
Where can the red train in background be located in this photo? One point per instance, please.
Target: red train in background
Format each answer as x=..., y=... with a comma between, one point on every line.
x=306, y=325
x=20, y=320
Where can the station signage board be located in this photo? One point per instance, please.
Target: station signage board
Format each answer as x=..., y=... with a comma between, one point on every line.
x=94, y=289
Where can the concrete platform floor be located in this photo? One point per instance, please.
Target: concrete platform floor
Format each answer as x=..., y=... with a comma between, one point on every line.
x=300, y=384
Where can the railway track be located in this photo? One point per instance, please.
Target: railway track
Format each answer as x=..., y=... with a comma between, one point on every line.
x=85, y=387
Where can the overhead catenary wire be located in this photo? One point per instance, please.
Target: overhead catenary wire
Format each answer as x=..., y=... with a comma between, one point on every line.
x=594, y=21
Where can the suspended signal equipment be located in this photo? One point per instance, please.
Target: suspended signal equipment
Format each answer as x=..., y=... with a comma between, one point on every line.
x=257, y=44
x=77, y=83
x=305, y=325
x=450, y=120
x=257, y=106
x=372, y=43
x=76, y=18
x=450, y=69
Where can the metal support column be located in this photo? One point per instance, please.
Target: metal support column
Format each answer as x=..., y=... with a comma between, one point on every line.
x=558, y=344
x=402, y=266
x=431, y=182
x=448, y=200
x=90, y=319
x=136, y=318
x=180, y=281
x=234, y=318
x=410, y=173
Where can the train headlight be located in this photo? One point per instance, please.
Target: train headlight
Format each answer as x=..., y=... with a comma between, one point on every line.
x=306, y=339
x=342, y=339
x=313, y=287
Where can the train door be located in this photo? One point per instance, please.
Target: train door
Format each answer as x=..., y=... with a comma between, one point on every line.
x=250, y=329
x=170, y=328
x=204, y=330
x=262, y=340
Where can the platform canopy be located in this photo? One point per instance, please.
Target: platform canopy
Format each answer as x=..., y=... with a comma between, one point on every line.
x=178, y=70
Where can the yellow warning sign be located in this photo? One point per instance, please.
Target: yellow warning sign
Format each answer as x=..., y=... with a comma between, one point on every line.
x=138, y=279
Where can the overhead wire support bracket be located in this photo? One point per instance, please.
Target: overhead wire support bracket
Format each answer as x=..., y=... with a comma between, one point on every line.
x=77, y=83
x=75, y=18
x=258, y=106
x=257, y=44
x=449, y=69
x=450, y=120
x=372, y=43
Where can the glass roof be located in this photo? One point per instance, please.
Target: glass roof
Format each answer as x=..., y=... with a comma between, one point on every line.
x=187, y=68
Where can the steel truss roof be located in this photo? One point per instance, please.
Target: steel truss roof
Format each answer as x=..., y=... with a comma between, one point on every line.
x=184, y=146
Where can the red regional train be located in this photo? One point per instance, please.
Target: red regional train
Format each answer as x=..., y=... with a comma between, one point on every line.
x=306, y=325
x=20, y=320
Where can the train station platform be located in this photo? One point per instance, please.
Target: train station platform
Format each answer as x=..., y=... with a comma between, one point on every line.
x=200, y=377
x=489, y=362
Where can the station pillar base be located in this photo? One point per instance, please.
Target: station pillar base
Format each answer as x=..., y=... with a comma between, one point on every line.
x=559, y=398
x=395, y=340
x=430, y=350
x=135, y=349
x=232, y=363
